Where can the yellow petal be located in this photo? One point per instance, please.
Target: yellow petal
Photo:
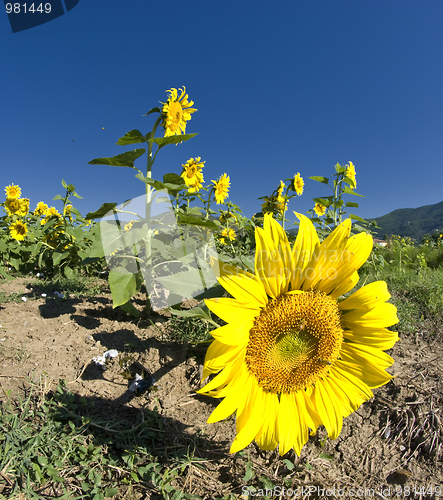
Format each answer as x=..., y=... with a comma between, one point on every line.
x=233, y=311
x=281, y=243
x=352, y=257
x=352, y=384
x=251, y=417
x=225, y=379
x=380, y=338
x=345, y=286
x=305, y=245
x=267, y=437
x=326, y=256
x=366, y=297
x=269, y=265
x=328, y=407
x=288, y=422
x=380, y=316
x=233, y=399
x=242, y=285
x=366, y=363
x=218, y=356
x=233, y=335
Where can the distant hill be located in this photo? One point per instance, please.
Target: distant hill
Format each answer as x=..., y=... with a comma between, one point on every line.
x=413, y=222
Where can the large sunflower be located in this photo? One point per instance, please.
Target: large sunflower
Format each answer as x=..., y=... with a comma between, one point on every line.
x=176, y=112
x=294, y=356
x=18, y=230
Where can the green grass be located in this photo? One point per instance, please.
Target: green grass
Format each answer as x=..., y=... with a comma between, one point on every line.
x=59, y=445
x=418, y=295
x=77, y=288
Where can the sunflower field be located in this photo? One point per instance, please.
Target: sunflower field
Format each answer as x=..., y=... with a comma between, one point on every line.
x=288, y=327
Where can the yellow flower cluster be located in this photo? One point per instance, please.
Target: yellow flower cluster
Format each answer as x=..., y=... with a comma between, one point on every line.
x=16, y=208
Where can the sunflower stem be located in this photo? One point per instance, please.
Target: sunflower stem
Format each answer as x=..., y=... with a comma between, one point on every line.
x=148, y=246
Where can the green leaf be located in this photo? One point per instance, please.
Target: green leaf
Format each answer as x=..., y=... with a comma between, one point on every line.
x=196, y=221
x=123, y=286
x=356, y=217
x=101, y=212
x=339, y=169
x=153, y=110
x=174, y=139
x=323, y=201
x=159, y=185
x=69, y=273
x=185, y=283
x=64, y=184
x=211, y=293
x=349, y=181
x=132, y=137
x=348, y=190
x=351, y=204
x=77, y=195
x=173, y=179
x=249, y=472
x=57, y=197
x=319, y=178
x=57, y=257
x=359, y=228
x=338, y=203
x=42, y=460
x=110, y=492
x=288, y=463
x=122, y=160
x=76, y=212
x=196, y=312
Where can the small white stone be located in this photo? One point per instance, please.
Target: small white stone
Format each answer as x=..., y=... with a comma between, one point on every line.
x=24, y=299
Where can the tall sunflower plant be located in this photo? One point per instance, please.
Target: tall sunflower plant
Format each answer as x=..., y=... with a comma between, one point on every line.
x=160, y=239
x=329, y=211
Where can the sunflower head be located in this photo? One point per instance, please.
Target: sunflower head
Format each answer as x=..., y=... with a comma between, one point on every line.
x=24, y=207
x=221, y=188
x=18, y=230
x=228, y=233
x=13, y=191
x=176, y=112
x=319, y=209
x=298, y=184
x=350, y=172
x=292, y=356
x=12, y=206
x=192, y=174
x=41, y=208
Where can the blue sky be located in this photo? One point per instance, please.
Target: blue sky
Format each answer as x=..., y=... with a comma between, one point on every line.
x=280, y=87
